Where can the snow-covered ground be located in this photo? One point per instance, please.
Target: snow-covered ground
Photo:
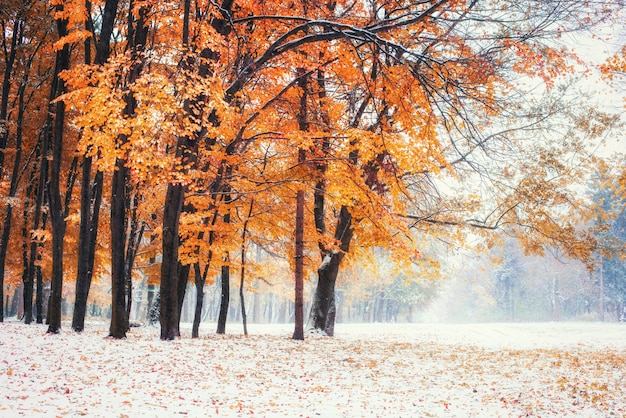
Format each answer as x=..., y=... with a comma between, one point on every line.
x=367, y=370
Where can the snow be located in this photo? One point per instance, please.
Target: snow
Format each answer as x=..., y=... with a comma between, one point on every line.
x=367, y=370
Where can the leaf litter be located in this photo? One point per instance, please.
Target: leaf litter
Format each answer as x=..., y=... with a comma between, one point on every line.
x=367, y=370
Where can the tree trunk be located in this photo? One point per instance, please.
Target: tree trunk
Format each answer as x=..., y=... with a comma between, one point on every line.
x=54, y=191
x=199, y=281
x=135, y=236
x=26, y=275
x=119, y=195
x=224, y=300
x=15, y=177
x=6, y=88
x=169, y=265
x=4, y=126
x=119, y=324
x=322, y=314
x=187, y=151
x=91, y=195
x=91, y=199
x=298, y=333
x=242, y=281
x=225, y=284
x=39, y=296
x=183, y=279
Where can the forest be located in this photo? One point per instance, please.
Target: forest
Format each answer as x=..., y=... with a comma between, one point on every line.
x=311, y=162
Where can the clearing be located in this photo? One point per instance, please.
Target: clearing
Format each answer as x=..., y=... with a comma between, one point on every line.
x=367, y=370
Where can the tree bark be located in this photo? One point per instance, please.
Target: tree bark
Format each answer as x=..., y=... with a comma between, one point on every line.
x=135, y=236
x=28, y=284
x=244, y=316
x=54, y=191
x=298, y=333
x=120, y=196
x=225, y=284
x=322, y=314
x=183, y=279
x=303, y=125
x=4, y=130
x=91, y=194
x=224, y=300
x=91, y=200
x=15, y=178
x=199, y=280
x=187, y=152
x=119, y=324
x=169, y=265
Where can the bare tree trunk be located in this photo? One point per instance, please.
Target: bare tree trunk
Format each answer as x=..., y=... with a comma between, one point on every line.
x=199, y=280
x=242, y=282
x=119, y=324
x=224, y=300
x=91, y=194
x=298, y=333
x=54, y=190
x=91, y=200
x=322, y=314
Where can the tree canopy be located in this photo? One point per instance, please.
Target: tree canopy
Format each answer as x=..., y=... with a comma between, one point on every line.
x=207, y=125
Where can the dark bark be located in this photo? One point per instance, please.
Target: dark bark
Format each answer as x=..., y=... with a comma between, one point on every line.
x=39, y=296
x=187, y=152
x=172, y=290
x=225, y=285
x=91, y=199
x=54, y=191
x=39, y=221
x=4, y=127
x=91, y=194
x=103, y=47
x=26, y=276
x=244, y=316
x=323, y=307
x=321, y=317
x=183, y=279
x=298, y=333
x=6, y=86
x=199, y=280
x=135, y=236
x=120, y=193
x=15, y=178
x=303, y=125
x=152, y=314
x=119, y=323
x=169, y=265
x=224, y=300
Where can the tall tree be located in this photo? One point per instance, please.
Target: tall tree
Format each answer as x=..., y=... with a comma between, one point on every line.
x=303, y=125
x=54, y=186
x=120, y=273
x=186, y=153
x=408, y=95
x=91, y=192
x=25, y=75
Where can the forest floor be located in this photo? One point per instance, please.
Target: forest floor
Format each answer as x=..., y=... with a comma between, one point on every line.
x=367, y=370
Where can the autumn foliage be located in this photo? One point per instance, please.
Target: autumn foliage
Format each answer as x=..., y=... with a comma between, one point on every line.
x=392, y=122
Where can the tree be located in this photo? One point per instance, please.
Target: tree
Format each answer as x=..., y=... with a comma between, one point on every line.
x=91, y=192
x=609, y=227
x=54, y=187
x=25, y=78
x=413, y=104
